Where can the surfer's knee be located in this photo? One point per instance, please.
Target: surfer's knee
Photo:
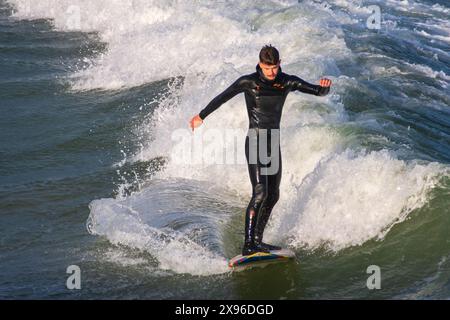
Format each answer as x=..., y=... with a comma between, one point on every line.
x=260, y=193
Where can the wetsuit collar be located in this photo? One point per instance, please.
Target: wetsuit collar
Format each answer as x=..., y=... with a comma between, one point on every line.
x=263, y=78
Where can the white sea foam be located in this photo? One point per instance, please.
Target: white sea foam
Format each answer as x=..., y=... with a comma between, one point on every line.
x=154, y=40
x=121, y=224
x=351, y=197
x=434, y=36
x=428, y=71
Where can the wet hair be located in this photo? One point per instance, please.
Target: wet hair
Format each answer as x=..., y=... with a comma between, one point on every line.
x=269, y=55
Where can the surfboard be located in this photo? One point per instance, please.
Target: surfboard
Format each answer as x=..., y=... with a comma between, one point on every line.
x=261, y=258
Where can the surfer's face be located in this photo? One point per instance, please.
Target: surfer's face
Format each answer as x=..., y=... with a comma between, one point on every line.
x=270, y=71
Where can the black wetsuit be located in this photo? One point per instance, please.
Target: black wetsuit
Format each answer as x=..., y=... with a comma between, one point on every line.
x=265, y=99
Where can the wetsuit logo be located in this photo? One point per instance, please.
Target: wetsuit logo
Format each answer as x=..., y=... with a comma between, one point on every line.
x=278, y=86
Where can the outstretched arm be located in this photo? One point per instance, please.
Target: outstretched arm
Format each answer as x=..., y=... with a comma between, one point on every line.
x=230, y=92
x=306, y=87
x=236, y=88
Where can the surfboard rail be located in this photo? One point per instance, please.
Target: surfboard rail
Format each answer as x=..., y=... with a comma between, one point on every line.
x=272, y=256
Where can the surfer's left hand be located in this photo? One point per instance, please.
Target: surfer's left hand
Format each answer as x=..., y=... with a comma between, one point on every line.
x=324, y=82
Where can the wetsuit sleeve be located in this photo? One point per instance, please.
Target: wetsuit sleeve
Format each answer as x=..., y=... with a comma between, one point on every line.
x=306, y=87
x=237, y=87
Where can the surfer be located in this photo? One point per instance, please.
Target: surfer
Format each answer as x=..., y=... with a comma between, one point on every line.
x=265, y=93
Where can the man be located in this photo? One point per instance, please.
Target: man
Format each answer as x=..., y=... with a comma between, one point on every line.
x=265, y=93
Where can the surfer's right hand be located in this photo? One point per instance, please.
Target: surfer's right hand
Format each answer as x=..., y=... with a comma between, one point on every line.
x=196, y=122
